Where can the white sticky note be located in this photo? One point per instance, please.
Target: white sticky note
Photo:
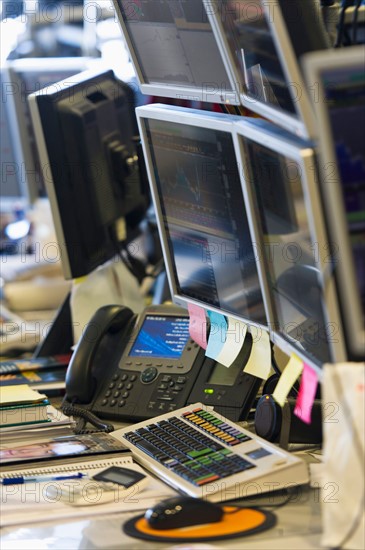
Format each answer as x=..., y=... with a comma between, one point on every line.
x=235, y=338
x=287, y=379
x=259, y=362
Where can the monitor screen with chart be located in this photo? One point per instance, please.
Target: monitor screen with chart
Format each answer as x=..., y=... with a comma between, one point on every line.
x=173, y=50
x=202, y=217
x=286, y=216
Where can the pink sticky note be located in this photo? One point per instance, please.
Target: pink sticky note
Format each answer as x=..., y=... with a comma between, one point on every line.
x=198, y=325
x=306, y=394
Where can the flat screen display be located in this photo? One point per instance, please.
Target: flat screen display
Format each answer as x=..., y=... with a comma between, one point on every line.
x=288, y=252
x=255, y=53
x=173, y=43
x=161, y=336
x=204, y=218
x=345, y=99
x=84, y=129
x=28, y=82
x=11, y=166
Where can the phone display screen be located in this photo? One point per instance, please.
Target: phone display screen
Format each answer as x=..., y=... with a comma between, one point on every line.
x=161, y=336
x=222, y=376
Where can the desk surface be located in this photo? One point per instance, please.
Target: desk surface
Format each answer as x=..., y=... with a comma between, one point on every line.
x=298, y=526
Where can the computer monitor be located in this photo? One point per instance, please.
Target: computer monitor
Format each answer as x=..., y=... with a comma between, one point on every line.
x=263, y=43
x=200, y=209
x=14, y=191
x=339, y=105
x=85, y=129
x=24, y=77
x=173, y=50
x=285, y=215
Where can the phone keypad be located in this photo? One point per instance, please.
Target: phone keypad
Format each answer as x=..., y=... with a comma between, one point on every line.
x=113, y=396
x=164, y=397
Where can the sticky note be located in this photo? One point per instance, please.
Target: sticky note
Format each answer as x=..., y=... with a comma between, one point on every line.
x=198, y=325
x=217, y=334
x=235, y=338
x=289, y=375
x=306, y=395
x=259, y=362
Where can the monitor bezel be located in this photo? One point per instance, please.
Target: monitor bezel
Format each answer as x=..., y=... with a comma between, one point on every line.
x=314, y=64
x=230, y=97
x=26, y=192
x=304, y=155
x=38, y=102
x=303, y=124
x=197, y=118
x=34, y=65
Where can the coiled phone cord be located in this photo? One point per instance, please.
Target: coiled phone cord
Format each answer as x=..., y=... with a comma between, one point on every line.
x=84, y=416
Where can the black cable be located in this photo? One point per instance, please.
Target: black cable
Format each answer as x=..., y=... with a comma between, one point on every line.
x=341, y=23
x=134, y=266
x=355, y=21
x=70, y=409
x=263, y=506
x=224, y=109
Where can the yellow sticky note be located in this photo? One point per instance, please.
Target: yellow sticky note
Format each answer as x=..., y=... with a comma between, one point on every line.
x=292, y=371
x=259, y=362
x=235, y=338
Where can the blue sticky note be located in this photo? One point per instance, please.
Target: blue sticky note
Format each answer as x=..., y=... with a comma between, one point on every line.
x=217, y=334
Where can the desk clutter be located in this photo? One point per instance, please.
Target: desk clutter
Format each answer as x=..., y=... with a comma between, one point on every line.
x=42, y=373
x=60, y=447
x=27, y=415
x=40, y=497
x=21, y=405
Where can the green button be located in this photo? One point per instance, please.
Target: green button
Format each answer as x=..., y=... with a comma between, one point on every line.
x=195, y=454
x=226, y=452
x=204, y=460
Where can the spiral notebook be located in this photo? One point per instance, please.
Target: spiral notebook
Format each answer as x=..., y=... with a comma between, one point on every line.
x=84, y=467
x=30, y=502
x=59, y=448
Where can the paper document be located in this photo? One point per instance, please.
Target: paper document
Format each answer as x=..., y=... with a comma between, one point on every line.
x=36, y=502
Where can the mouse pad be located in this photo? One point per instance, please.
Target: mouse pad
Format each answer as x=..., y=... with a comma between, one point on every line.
x=236, y=522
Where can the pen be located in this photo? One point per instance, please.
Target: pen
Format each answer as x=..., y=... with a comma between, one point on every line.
x=39, y=479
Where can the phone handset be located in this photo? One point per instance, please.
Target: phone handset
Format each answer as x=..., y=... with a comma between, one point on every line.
x=83, y=374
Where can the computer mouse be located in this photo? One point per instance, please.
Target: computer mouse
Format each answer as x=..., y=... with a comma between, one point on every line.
x=177, y=512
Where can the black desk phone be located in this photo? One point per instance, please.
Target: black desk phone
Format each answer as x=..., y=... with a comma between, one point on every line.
x=133, y=367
